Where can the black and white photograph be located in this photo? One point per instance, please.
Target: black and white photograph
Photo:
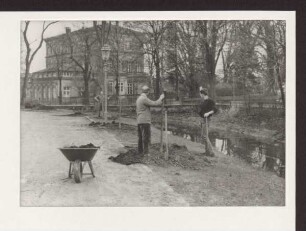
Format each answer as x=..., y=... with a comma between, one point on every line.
x=153, y=113
x=174, y=112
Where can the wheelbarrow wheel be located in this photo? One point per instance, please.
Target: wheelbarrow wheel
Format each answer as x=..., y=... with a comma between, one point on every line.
x=77, y=171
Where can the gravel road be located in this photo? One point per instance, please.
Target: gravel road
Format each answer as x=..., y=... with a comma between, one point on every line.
x=44, y=169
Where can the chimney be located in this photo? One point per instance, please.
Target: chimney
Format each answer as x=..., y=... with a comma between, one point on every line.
x=68, y=30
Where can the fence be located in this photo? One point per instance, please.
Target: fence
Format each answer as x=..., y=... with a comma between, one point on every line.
x=130, y=100
x=247, y=102
x=65, y=101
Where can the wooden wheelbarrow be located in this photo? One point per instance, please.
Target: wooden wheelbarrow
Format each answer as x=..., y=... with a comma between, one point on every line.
x=78, y=157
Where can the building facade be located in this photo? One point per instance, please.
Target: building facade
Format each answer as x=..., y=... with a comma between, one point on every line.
x=73, y=54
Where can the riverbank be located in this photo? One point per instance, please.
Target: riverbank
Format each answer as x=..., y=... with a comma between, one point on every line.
x=265, y=125
x=221, y=181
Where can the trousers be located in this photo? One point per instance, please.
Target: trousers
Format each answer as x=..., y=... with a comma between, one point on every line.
x=205, y=138
x=144, y=138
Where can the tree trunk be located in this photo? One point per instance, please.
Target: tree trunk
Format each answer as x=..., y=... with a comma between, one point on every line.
x=117, y=59
x=213, y=59
x=117, y=73
x=193, y=89
x=157, y=68
x=209, y=43
x=280, y=85
x=176, y=84
x=224, y=68
x=25, y=84
x=60, y=99
x=86, y=89
x=270, y=66
x=211, y=74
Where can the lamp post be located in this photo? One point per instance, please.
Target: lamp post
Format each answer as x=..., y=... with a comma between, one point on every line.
x=105, y=52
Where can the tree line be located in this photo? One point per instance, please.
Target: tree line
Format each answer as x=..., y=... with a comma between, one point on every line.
x=248, y=55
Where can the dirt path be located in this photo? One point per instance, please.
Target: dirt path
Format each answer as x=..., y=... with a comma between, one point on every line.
x=44, y=169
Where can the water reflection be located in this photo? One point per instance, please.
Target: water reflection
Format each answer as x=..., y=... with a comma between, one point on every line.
x=267, y=156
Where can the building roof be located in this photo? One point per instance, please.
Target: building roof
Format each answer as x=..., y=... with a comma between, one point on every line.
x=52, y=69
x=90, y=29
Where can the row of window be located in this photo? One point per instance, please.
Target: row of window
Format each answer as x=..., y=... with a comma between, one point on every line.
x=126, y=45
x=111, y=89
x=124, y=67
x=57, y=50
x=131, y=67
x=51, y=92
x=131, y=88
x=44, y=93
x=52, y=74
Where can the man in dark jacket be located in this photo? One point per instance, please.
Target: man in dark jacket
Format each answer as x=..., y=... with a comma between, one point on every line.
x=207, y=109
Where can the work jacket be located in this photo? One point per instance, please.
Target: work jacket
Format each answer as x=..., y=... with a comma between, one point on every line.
x=143, y=105
x=207, y=105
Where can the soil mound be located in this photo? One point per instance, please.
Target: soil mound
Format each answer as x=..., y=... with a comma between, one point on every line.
x=178, y=156
x=108, y=124
x=77, y=113
x=94, y=124
x=90, y=145
x=43, y=107
x=127, y=158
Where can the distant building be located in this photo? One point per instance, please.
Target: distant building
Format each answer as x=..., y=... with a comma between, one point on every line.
x=61, y=68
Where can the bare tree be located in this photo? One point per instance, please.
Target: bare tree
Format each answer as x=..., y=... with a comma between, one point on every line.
x=187, y=56
x=213, y=38
x=31, y=52
x=59, y=65
x=172, y=55
x=81, y=53
x=151, y=37
x=273, y=37
x=116, y=58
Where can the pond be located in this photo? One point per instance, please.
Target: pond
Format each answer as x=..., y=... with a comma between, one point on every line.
x=259, y=154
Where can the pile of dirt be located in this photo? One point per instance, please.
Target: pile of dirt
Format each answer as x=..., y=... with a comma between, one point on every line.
x=97, y=124
x=90, y=145
x=114, y=126
x=43, y=107
x=127, y=158
x=178, y=156
x=77, y=113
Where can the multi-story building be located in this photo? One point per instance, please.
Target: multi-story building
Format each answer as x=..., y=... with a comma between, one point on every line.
x=68, y=54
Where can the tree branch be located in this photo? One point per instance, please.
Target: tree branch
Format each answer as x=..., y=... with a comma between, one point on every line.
x=41, y=39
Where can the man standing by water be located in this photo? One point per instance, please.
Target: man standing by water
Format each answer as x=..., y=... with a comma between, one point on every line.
x=143, y=105
x=207, y=108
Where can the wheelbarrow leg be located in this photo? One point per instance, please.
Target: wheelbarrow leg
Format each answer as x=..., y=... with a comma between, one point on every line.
x=77, y=171
x=69, y=173
x=81, y=168
x=91, y=168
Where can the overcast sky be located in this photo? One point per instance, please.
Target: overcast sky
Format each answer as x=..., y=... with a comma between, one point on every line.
x=34, y=33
